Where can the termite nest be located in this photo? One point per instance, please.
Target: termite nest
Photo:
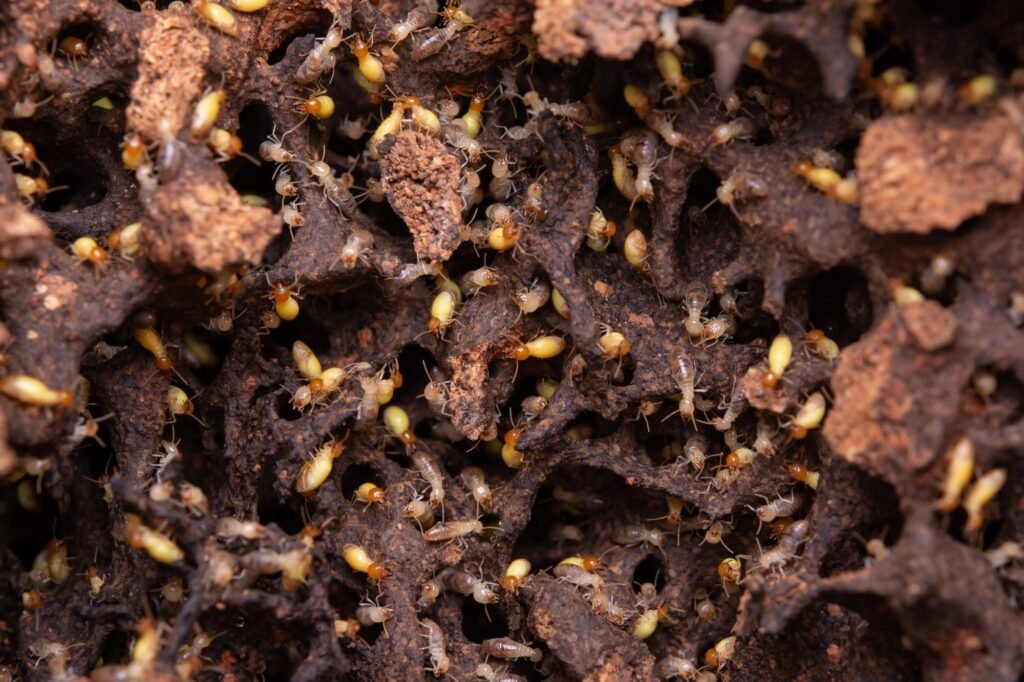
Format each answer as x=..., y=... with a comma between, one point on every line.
x=507, y=341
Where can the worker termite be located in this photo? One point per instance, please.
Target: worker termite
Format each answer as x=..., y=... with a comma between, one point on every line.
x=721, y=653
x=439, y=661
x=334, y=188
x=125, y=242
x=286, y=299
x=206, y=111
x=489, y=673
x=456, y=19
x=158, y=545
x=432, y=473
x=717, y=329
x=675, y=666
x=792, y=538
x=632, y=534
x=763, y=440
x=740, y=128
x=475, y=280
x=450, y=530
x=314, y=471
x=291, y=215
x=958, y=475
x=801, y=473
x=515, y=573
x=216, y=16
x=370, y=67
x=979, y=494
x=475, y=481
x=32, y=391
x=613, y=344
x=15, y=146
x=29, y=188
x=229, y=528
x=779, y=355
x=321, y=58
x=285, y=185
x=370, y=613
x=421, y=512
x=735, y=407
x=635, y=249
x=937, y=273
x=442, y=311
x=358, y=560
x=821, y=345
x=358, y=244
x=684, y=374
x=272, y=149
x=531, y=298
x=738, y=186
x=647, y=622
x=508, y=649
x=419, y=17
x=467, y=585
x=642, y=149
x=808, y=417
x=695, y=300
x=777, y=508
x=978, y=89
x=148, y=338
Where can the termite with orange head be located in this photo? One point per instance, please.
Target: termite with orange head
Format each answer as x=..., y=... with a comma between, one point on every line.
x=314, y=472
x=358, y=560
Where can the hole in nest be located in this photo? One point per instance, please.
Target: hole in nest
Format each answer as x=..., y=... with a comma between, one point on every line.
x=284, y=408
x=839, y=304
x=952, y=12
x=75, y=41
x=356, y=475
x=106, y=109
x=650, y=570
x=480, y=622
x=590, y=425
x=254, y=182
x=792, y=65
x=773, y=6
x=752, y=322
x=75, y=185
x=311, y=26
x=871, y=540
x=707, y=239
x=994, y=397
x=287, y=519
x=115, y=647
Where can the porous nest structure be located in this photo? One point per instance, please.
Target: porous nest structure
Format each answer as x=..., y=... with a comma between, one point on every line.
x=318, y=314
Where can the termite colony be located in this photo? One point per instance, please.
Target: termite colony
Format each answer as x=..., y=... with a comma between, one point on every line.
x=367, y=340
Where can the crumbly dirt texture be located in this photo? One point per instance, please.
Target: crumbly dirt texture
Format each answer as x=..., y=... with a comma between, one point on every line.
x=808, y=192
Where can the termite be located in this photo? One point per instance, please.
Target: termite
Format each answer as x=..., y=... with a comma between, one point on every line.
x=635, y=534
x=420, y=511
x=779, y=355
x=531, y=298
x=980, y=494
x=370, y=613
x=320, y=59
x=456, y=19
x=809, y=416
x=737, y=404
x=432, y=473
x=515, y=573
x=823, y=347
x=488, y=672
x=475, y=481
x=739, y=128
x=509, y=649
x=358, y=560
x=358, y=244
x=449, y=530
x=779, y=507
x=467, y=585
x=696, y=298
x=315, y=471
x=419, y=17
x=958, y=475
x=684, y=374
x=792, y=538
x=720, y=654
x=440, y=664
x=675, y=666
